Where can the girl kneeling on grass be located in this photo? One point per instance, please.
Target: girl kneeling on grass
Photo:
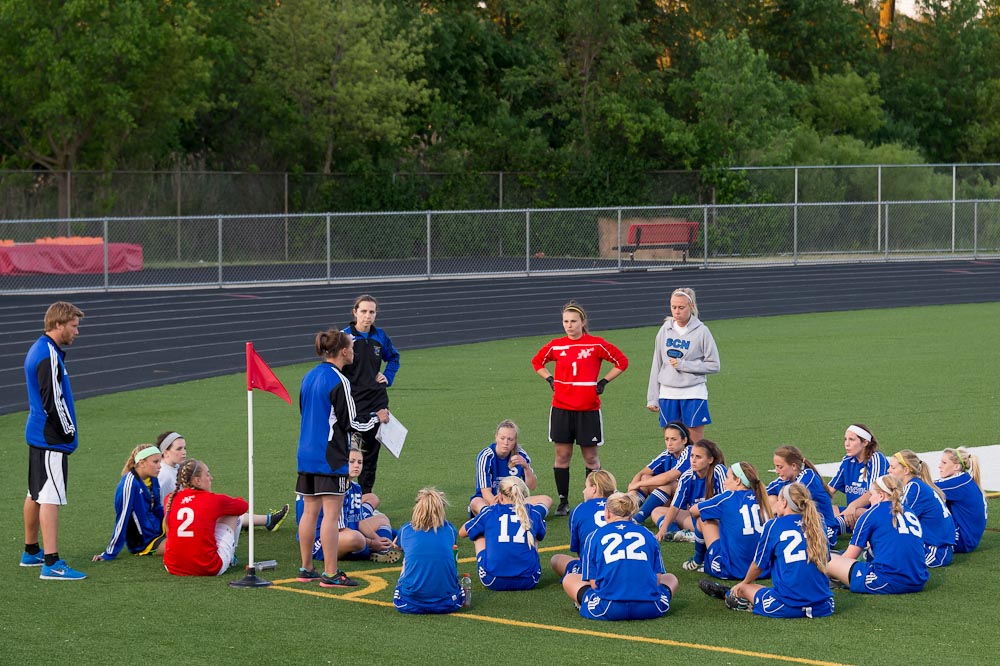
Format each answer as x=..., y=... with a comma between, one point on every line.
x=964, y=495
x=506, y=536
x=894, y=536
x=585, y=519
x=138, y=508
x=623, y=576
x=203, y=527
x=794, y=548
x=428, y=582
x=927, y=501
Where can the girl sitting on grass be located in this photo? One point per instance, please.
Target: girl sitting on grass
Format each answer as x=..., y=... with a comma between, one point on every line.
x=964, y=496
x=138, y=509
x=506, y=536
x=428, y=582
x=585, y=519
x=927, y=501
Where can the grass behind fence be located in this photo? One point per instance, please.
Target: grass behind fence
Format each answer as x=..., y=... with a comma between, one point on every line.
x=922, y=378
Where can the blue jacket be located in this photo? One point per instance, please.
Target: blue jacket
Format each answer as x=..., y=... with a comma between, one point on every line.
x=138, y=515
x=51, y=415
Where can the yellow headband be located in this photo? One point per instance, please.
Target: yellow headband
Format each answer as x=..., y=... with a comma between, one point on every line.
x=573, y=308
x=902, y=461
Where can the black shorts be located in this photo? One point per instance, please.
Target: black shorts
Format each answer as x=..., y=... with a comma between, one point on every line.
x=47, y=474
x=312, y=485
x=571, y=427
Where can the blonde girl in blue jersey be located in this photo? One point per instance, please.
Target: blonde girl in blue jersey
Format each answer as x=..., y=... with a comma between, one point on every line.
x=428, y=582
x=585, y=519
x=138, y=507
x=964, y=496
x=732, y=521
x=506, y=536
x=793, y=547
x=623, y=576
x=895, y=538
x=927, y=501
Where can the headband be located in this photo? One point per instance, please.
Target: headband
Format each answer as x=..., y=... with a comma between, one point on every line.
x=678, y=292
x=860, y=432
x=902, y=461
x=961, y=461
x=146, y=452
x=788, y=498
x=881, y=484
x=168, y=440
x=679, y=427
x=740, y=474
x=574, y=308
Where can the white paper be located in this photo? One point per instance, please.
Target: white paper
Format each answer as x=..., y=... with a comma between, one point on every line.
x=392, y=435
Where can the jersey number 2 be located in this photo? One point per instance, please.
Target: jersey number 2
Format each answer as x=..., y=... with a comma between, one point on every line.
x=186, y=515
x=613, y=551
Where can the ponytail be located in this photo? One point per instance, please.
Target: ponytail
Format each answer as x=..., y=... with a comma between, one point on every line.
x=514, y=490
x=800, y=502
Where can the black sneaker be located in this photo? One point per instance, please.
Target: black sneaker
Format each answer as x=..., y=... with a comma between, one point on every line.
x=562, y=509
x=712, y=588
x=275, y=518
x=338, y=579
x=738, y=603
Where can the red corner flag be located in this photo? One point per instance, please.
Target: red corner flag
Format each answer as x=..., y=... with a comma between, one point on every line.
x=260, y=376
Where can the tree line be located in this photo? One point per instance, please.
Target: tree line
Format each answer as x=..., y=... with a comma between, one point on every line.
x=606, y=91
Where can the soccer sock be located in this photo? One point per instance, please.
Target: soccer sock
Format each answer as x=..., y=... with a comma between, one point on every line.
x=659, y=522
x=51, y=558
x=31, y=548
x=656, y=499
x=562, y=482
x=385, y=531
x=699, y=548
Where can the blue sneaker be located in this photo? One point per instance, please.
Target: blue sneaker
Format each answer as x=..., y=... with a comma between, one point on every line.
x=61, y=571
x=29, y=560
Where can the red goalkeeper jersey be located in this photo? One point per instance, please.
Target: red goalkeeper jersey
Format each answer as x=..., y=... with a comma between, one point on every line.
x=578, y=366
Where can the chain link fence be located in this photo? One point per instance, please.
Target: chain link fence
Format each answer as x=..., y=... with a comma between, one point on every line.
x=151, y=252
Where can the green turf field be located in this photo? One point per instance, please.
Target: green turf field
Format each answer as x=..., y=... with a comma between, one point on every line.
x=922, y=378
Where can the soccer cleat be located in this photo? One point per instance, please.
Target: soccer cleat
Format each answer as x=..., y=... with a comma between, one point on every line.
x=307, y=575
x=390, y=555
x=562, y=509
x=338, y=579
x=686, y=536
x=275, y=518
x=691, y=565
x=712, y=588
x=29, y=560
x=61, y=571
x=738, y=603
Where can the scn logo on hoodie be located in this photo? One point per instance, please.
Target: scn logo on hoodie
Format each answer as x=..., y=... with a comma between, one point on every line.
x=676, y=343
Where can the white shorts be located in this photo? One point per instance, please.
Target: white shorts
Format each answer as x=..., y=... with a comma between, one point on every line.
x=226, y=541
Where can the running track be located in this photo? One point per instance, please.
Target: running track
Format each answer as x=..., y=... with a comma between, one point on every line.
x=131, y=340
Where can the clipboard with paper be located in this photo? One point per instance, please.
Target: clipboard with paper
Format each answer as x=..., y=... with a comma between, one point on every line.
x=392, y=435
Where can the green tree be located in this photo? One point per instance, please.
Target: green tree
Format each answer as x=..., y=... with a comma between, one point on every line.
x=844, y=103
x=82, y=79
x=340, y=76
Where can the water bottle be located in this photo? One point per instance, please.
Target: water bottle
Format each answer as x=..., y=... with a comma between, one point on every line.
x=266, y=565
x=466, y=584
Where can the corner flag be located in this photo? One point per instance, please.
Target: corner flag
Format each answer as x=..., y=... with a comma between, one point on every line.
x=260, y=376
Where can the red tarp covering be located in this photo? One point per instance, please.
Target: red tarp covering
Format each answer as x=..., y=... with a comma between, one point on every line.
x=51, y=259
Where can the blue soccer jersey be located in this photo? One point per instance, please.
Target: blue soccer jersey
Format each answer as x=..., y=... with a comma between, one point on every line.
x=507, y=553
x=691, y=487
x=935, y=518
x=897, y=550
x=855, y=479
x=821, y=499
x=623, y=559
x=352, y=513
x=795, y=580
x=428, y=582
x=491, y=468
x=967, y=504
x=585, y=518
x=740, y=526
x=667, y=461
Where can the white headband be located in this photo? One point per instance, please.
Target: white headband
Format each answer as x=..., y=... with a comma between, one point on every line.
x=882, y=486
x=788, y=499
x=860, y=432
x=168, y=440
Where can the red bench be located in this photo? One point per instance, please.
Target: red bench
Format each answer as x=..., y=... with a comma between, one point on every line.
x=660, y=235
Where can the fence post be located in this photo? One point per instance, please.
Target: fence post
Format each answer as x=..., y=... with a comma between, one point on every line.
x=429, y=244
x=704, y=224
x=975, y=229
x=527, y=241
x=106, y=253
x=286, y=216
x=887, y=232
x=328, y=258
x=795, y=222
x=220, y=251
x=619, y=240
x=954, y=191
x=878, y=212
x=177, y=190
x=501, y=191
